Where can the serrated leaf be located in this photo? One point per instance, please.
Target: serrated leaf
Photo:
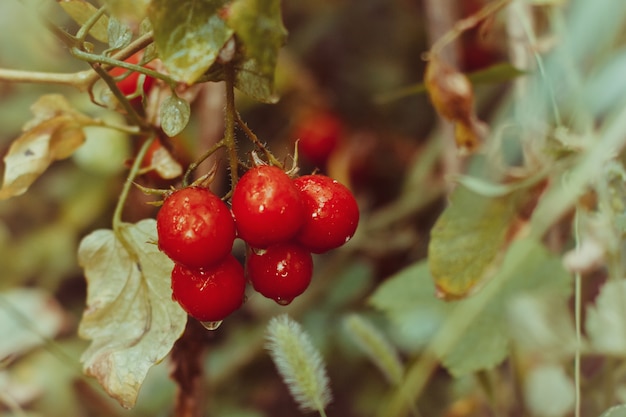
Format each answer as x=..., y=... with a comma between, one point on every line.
x=259, y=26
x=409, y=300
x=119, y=34
x=129, y=12
x=80, y=11
x=54, y=133
x=189, y=35
x=469, y=238
x=606, y=321
x=130, y=319
x=174, y=114
x=617, y=411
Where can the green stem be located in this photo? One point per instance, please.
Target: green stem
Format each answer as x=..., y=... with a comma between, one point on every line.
x=113, y=62
x=577, y=319
x=130, y=110
x=200, y=160
x=86, y=27
x=229, y=134
x=79, y=80
x=254, y=138
x=134, y=170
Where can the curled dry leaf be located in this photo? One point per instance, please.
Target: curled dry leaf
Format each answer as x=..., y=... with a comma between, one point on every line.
x=54, y=133
x=452, y=96
x=130, y=319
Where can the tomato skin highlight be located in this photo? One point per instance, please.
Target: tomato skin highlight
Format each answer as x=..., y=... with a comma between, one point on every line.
x=280, y=272
x=267, y=207
x=331, y=213
x=210, y=294
x=195, y=228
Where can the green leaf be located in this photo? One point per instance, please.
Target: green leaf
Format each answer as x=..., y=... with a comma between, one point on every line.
x=606, y=323
x=469, y=238
x=549, y=391
x=129, y=12
x=27, y=318
x=120, y=34
x=174, y=113
x=617, y=411
x=80, y=11
x=130, y=318
x=374, y=344
x=189, y=35
x=409, y=300
x=259, y=26
x=527, y=270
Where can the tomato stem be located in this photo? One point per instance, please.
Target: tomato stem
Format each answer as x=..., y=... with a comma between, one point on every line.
x=134, y=170
x=254, y=138
x=229, y=130
x=200, y=160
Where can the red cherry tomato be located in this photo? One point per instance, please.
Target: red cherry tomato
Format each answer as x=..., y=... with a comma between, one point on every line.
x=331, y=213
x=128, y=85
x=195, y=228
x=267, y=207
x=210, y=294
x=280, y=272
x=318, y=135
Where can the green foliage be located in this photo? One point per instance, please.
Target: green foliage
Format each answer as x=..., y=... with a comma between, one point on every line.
x=80, y=11
x=617, y=411
x=374, y=344
x=605, y=323
x=469, y=238
x=409, y=298
x=258, y=23
x=130, y=319
x=174, y=113
x=189, y=35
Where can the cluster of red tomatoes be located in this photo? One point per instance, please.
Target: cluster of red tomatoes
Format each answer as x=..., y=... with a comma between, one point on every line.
x=281, y=220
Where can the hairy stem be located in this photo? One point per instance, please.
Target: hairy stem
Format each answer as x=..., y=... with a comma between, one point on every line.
x=229, y=128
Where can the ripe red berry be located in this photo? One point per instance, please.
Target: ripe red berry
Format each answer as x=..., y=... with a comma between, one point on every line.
x=267, y=207
x=128, y=84
x=331, y=213
x=318, y=135
x=195, y=228
x=210, y=294
x=280, y=272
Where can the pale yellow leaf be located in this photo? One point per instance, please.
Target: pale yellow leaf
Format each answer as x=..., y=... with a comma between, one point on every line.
x=54, y=133
x=80, y=11
x=130, y=318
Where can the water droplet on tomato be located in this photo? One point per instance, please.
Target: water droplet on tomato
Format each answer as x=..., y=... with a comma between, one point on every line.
x=211, y=325
x=283, y=301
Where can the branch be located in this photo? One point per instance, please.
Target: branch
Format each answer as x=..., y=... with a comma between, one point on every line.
x=80, y=80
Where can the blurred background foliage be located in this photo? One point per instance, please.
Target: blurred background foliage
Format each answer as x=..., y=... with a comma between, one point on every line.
x=342, y=56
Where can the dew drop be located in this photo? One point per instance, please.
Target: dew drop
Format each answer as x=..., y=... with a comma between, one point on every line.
x=211, y=325
x=283, y=301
